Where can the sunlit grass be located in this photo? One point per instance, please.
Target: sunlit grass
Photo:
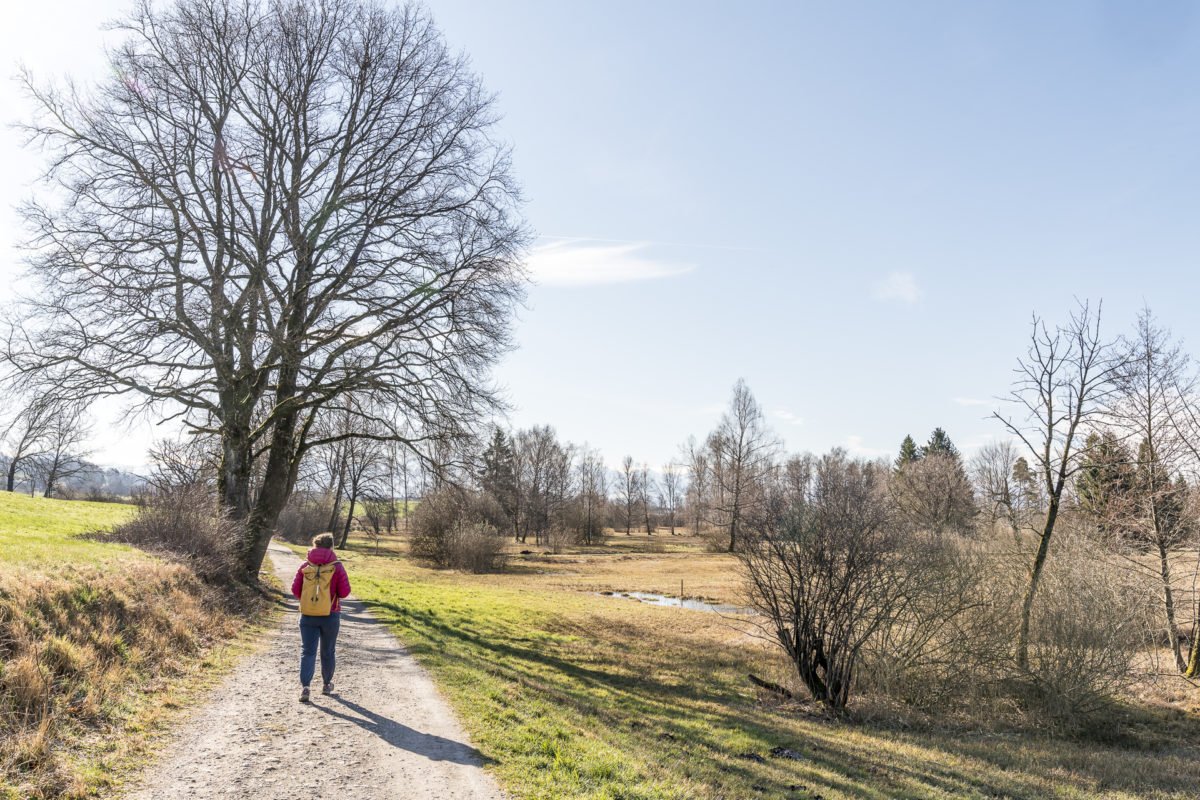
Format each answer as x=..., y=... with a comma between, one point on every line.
x=569, y=694
x=42, y=532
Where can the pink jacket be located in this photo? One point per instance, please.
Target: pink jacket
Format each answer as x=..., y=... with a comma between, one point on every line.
x=341, y=581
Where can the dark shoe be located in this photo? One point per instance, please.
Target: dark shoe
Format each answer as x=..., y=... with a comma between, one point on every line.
x=304, y=695
x=327, y=688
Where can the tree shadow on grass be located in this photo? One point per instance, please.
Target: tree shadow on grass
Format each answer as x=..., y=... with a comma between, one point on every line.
x=435, y=748
x=957, y=765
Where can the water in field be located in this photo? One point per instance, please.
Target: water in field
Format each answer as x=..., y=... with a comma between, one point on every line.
x=676, y=602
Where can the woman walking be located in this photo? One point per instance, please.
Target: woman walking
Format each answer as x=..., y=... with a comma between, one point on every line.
x=320, y=584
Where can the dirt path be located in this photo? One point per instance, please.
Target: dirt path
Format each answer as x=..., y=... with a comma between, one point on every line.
x=384, y=733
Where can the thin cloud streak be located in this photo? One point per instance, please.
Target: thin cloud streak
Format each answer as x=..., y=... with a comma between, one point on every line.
x=788, y=417
x=901, y=286
x=854, y=446
x=645, y=242
x=590, y=264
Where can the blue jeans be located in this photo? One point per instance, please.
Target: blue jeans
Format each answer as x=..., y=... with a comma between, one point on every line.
x=312, y=630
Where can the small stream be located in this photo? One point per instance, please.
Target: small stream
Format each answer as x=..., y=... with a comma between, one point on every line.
x=675, y=602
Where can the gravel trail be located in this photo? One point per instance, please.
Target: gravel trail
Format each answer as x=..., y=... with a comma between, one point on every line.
x=384, y=733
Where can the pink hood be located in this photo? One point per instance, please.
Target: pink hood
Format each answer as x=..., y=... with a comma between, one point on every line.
x=321, y=555
x=341, y=581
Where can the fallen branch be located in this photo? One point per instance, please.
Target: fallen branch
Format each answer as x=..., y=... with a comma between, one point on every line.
x=768, y=685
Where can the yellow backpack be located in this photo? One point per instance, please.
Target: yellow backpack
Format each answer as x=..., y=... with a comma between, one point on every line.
x=316, y=596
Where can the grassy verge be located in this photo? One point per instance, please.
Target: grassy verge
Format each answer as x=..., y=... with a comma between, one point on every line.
x=573, y=695
x=99, y=645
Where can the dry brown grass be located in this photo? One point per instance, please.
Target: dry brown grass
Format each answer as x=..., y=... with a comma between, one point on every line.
x=97, y=643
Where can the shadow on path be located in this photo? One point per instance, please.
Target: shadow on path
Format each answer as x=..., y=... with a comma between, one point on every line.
x=435, y=748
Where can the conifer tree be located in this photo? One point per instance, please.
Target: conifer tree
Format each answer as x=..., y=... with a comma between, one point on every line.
x=909, y=452
x=940, y=444
x=1105, y=479
x=497, y=475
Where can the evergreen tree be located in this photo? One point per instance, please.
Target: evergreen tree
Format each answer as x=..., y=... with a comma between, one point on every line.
x=909, y=452
x=1106, y=478
x=497, y=475
x=1027, y=489
x=1162, y=499
x=940, y=444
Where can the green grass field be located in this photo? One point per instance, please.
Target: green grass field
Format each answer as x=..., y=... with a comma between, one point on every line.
x=40, y=532
x=573, y=695
x=100, y=644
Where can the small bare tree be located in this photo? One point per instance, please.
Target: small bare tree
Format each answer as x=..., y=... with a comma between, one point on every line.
x=364, y=461
x=592, y=481
x=672, y=491
x=699, y=482
x=1141, y=409
x=65, y=446
x=743, y=450
x=645, y=492
x=26, y=434
x=1062, y=384
x=628, y=491
x=992, y=472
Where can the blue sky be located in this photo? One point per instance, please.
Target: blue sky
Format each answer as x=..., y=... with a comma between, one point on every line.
x=855, y=207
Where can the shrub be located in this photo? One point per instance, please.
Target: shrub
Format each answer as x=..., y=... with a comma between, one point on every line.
x=450, y=528
x=952, y=648
x=829, y=571
x=304, y=516
x=184, y=522
x=1086, y=628
x=949, y=644
x=559, y=539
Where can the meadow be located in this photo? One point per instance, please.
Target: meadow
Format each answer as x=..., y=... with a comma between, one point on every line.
x=100, y=645
x=573, y=693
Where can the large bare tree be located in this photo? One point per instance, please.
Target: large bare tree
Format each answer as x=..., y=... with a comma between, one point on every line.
x=1062, y=384
x=266, y=206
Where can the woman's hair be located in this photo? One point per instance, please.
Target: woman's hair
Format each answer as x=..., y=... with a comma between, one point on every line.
x=323, y=540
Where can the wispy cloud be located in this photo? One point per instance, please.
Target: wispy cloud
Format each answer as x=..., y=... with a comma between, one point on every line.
x=900, y=286
x=587, y=263
x=787, y=416
x=971, y=401
x=854, y=446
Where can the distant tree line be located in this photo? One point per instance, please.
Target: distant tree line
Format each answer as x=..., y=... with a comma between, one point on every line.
x=45, y=450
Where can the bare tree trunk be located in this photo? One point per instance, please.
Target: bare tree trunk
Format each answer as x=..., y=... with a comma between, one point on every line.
x=283, y=462
x=349, y=517
x=237, y=464
x=1035, y=574
x=335, y=514
x=1169, y=604
x=1193, y=667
